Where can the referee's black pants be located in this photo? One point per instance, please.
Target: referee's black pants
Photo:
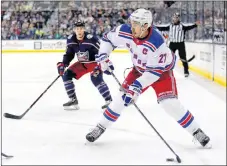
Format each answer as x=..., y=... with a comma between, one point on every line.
x=182, y=53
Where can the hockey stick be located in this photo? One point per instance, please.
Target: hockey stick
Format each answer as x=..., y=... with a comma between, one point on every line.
x=7, y=156
x=189, y=60
x=138, y=109
x=7, y=115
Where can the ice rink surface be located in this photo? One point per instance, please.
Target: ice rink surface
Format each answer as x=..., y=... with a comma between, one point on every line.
x=50, y=135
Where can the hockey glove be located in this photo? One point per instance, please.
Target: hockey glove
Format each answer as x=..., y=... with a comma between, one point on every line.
x=107, y=67
x=132, y=93
x=105, y=64
x=61, y=68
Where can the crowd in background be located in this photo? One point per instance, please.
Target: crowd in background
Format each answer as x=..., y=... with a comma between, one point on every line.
x=54, y=19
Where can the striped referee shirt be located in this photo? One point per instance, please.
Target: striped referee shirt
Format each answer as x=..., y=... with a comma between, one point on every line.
x=176, y=31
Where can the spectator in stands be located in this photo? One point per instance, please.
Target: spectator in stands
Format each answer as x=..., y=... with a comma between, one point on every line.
x=54, y=19
x=39, y=33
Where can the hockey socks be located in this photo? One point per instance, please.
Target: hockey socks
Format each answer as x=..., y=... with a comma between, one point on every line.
x=185, y=118
x=70, y=88
x=104, y=91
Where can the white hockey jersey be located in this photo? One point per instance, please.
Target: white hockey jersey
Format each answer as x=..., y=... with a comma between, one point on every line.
x=150, y=56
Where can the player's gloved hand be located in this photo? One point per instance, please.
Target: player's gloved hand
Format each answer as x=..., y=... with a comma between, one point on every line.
x=132, y=93
x=107, y=67
x=61, y=68
x=105, y=64
x=97, y=71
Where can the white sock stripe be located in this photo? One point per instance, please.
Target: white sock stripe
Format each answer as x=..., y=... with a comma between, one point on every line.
x=69, y=86
x=68, y=82
x=70, y=89
x=72, y=94
x=107, y=96
x=102, y=88
x=101, y=84
x=105, y=92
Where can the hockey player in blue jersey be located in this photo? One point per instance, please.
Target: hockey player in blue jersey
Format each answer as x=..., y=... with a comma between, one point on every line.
x=85, y=46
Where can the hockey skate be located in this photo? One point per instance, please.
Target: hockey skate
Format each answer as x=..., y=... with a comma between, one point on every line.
x=202, y=138
x=72, y=104
x=95, y=133
x=107, y=104
x=186, y=75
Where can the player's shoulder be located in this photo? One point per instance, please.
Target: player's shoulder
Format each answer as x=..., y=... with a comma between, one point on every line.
x=125, y=31
x=125, y=28
x=71, y=38
x=91, y=37
x=156, y=39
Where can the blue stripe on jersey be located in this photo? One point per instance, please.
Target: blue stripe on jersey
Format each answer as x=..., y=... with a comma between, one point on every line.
x=127, y=37
x=156, y=38
x=159, y=68
x=137, y=84
x=172, y=63
x=155, y=73
x=126, y=28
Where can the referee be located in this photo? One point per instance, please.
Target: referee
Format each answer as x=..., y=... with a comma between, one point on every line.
x=176, y=38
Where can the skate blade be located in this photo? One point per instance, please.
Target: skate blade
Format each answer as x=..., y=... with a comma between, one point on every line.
x=71, y=108
x=88, y=143
x=105, y=106
x=208, y=146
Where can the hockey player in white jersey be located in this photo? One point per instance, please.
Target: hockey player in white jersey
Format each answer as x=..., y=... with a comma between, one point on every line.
x=153, y=67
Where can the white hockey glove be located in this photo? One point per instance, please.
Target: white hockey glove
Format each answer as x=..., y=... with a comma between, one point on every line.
x=105, y=64
x=132, y=93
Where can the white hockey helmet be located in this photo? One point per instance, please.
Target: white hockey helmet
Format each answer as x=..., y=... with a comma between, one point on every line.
x=142, y=16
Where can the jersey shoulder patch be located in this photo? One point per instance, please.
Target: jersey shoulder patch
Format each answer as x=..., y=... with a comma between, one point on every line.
x=70, y=36
x=89, y=36
x=70, y=39
x=156, y=39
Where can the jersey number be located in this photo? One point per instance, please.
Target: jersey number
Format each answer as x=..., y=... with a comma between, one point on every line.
x=162, y=58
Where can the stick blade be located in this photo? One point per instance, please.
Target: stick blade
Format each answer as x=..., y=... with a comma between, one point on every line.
x=191, y=58
x=7, y=156
x=11, y=116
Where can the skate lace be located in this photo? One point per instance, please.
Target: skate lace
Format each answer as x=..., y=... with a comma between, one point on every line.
x=199, y=137
x=96, y=132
